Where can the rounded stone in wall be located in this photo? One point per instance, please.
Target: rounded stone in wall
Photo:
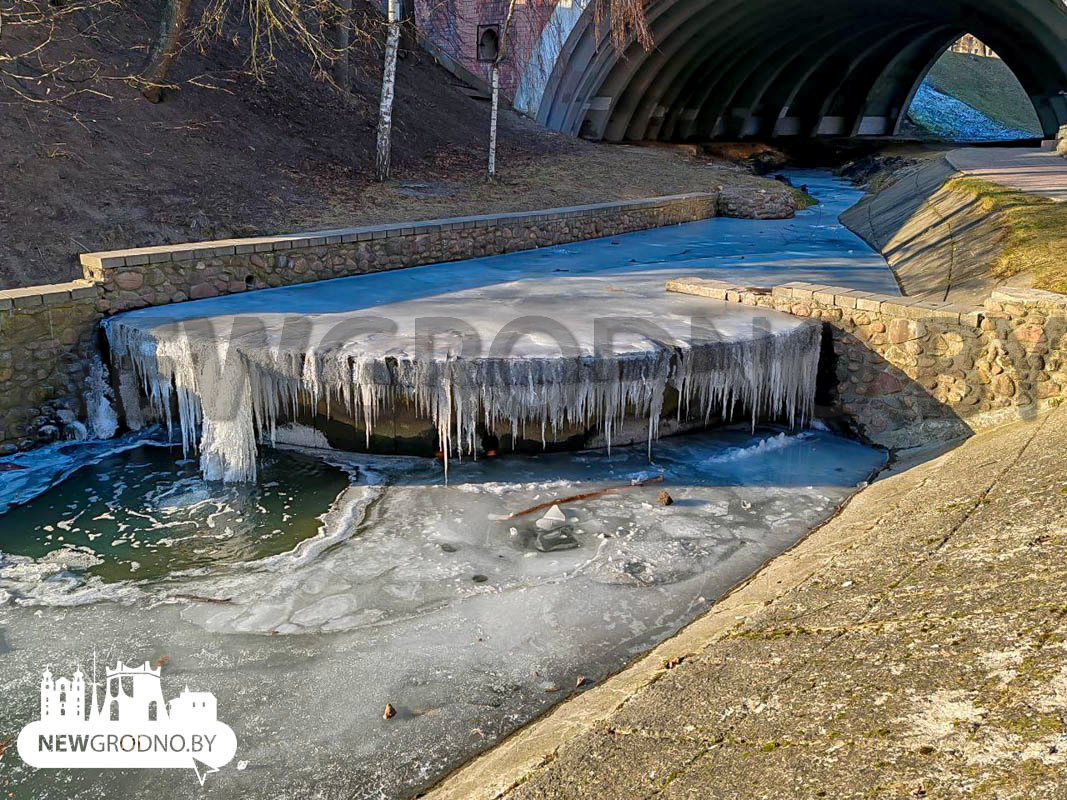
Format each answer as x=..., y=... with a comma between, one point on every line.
x=945, y=345
x=950, y=389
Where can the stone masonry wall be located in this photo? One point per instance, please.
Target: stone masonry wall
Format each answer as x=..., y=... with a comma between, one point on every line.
x=47, y=333
x=172, y=274
x=907, y=371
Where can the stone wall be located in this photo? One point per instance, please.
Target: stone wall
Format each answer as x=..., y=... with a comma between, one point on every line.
x=906, y=371
x=174, y=273
x=46, y=336
x=748, y=203
x=47, y=333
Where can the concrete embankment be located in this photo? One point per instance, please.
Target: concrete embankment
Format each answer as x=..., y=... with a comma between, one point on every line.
x=960, y=224
x=941, y=243
x=913, y=646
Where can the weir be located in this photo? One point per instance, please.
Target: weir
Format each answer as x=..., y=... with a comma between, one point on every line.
x=585, y=353
x=366, y=562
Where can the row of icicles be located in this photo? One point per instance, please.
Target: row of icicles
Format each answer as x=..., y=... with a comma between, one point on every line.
x=228, y=401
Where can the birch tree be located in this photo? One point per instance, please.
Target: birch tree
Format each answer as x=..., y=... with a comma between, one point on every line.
x=385, y=107
x=502, y=53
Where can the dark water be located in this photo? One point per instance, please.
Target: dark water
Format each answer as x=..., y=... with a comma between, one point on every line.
x=146, y=513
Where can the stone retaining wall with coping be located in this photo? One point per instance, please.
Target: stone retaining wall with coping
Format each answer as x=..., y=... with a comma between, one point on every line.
x=48, y=333
x=174, y=273
x=906, y=371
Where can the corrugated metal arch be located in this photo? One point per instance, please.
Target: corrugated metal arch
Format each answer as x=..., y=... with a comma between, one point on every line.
x=785, y=67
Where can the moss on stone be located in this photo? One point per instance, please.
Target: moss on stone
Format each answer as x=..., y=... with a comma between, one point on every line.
x=803, y=199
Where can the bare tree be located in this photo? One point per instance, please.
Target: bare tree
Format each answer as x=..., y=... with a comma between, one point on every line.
x=341, y=38
x=626, y=20
x=502, y=53
x=29, y=69
x=385, y=106
x=321, y=29
x=172, y=25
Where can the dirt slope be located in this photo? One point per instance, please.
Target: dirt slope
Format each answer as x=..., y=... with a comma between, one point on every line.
x=292, y=154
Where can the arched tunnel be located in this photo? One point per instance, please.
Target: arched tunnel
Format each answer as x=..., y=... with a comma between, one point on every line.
x=768, y=68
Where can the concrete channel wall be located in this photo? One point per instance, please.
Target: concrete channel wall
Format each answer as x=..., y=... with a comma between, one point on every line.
x=908, y=371
x=48, y=333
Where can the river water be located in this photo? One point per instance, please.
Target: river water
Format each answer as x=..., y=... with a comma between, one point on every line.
x=340, y=583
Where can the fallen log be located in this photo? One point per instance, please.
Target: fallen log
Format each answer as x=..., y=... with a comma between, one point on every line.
x=585, y=496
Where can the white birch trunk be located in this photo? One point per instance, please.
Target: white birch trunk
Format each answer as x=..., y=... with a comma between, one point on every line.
x=492, y=122
x=505, y=32
x=385, y=108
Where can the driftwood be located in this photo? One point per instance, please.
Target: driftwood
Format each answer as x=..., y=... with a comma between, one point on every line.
x=196, y=598
x=585, y=496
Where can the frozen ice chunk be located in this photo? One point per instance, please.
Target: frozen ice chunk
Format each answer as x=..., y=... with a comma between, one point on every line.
x=553, y=518
x=235, y=370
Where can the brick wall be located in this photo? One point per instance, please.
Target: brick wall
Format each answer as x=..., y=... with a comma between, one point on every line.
x=906, y=371
x=48, y=332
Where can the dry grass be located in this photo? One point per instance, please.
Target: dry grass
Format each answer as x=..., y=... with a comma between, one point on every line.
x=582, y=173
x=1035, y=231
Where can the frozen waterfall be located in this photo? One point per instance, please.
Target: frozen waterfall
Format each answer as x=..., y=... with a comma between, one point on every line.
x=234, y=379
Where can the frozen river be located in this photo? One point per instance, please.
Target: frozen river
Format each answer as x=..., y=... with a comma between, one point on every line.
x=405, y=591
x=560, y=341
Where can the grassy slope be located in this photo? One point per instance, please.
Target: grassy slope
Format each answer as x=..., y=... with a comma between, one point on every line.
x=1035, y=232
x=987, y=85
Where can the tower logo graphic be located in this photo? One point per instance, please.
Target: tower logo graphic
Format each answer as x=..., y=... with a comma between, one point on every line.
x=130, y=727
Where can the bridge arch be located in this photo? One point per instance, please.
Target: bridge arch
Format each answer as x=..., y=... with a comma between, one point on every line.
x=735, y=68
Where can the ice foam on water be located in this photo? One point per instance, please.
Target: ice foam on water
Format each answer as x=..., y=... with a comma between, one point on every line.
x=232, y=391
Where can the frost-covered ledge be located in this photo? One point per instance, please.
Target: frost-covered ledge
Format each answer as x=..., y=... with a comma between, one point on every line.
x=905, y=371
x=174, y=273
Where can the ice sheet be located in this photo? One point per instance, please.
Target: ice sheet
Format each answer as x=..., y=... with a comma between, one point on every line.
x=420, y=595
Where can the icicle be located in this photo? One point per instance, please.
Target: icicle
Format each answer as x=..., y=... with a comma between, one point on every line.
x=103, y=422
x=230, y=397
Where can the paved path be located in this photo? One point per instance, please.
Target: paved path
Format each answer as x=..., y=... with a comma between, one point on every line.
x=1027, y=169
x=912, y=647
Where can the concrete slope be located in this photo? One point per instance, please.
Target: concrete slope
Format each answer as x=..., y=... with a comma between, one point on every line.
x=913, y=646
x=940, y=242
